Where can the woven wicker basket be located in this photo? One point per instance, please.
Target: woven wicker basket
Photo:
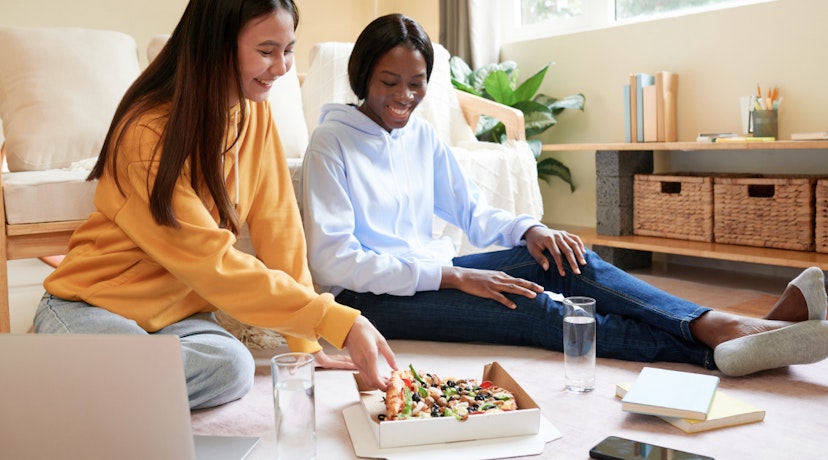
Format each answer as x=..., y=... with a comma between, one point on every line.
x=673, y=206
x=773, y=212
x=821, y=218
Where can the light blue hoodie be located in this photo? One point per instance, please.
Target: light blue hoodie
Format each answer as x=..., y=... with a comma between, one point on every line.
x=369, y=198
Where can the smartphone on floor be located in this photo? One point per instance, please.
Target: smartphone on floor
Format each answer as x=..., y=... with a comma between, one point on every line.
x=616, y=448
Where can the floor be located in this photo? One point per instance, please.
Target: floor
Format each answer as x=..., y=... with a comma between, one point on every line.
x=732, y=290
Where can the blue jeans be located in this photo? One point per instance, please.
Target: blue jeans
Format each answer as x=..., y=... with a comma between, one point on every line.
x=635, y=320
x=217, y=366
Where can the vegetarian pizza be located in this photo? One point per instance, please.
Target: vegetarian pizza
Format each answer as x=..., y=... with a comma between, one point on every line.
x=413, y=394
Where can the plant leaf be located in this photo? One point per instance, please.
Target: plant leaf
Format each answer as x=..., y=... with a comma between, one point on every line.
x=497, y=86
x=490, y=129
x=464, y=87
x=527, y=89
x=538, y=117
x=575, y=101
x=536, y=146
x=460, y=71
x=479, y=76
x=549, y=168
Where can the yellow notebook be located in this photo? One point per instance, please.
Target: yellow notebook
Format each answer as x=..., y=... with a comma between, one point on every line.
x=725, y=410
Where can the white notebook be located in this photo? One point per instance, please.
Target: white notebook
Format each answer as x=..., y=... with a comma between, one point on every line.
x=671, y=393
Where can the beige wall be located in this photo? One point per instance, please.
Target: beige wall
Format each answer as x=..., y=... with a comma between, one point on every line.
x=321, y=20
x=343, y=20
x=719, y=56
x=140, y=19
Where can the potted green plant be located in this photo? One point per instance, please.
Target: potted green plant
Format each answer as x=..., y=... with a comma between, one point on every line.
x=498, y=82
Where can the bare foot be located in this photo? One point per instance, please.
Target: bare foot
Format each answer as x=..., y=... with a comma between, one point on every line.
x=715, y=327
x=791, y=306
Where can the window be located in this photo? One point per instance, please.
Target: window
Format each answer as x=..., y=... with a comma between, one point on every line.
x=539, y=18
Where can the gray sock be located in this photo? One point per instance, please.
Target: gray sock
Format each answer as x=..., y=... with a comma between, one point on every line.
x=801, y=343
x=811, y=283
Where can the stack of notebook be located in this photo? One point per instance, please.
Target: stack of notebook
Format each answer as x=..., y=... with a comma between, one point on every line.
x=686, y=400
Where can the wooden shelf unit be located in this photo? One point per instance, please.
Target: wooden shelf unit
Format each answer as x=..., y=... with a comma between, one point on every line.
x=626, y=240
x=731, y=252
x=688, y=146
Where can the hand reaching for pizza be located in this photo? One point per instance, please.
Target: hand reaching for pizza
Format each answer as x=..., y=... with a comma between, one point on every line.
x=365, y=343
x=488, y=284
x=327, y=361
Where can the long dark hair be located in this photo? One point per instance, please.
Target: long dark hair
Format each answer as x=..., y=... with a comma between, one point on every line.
x=191, y=73
x=378, y=38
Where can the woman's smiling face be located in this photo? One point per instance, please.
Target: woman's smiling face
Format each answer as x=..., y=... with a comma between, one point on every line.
x=398, y=83
x=265, y=53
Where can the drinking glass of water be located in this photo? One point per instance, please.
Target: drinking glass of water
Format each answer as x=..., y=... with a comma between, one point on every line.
x=295, y=406
x=579, y=343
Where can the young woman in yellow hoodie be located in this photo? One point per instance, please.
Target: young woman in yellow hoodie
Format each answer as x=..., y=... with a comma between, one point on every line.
x=193, y=154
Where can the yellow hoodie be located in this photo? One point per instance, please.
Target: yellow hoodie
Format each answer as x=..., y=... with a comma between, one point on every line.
x=120, y=259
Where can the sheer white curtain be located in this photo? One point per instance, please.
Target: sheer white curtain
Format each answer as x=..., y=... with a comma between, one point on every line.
x=470, y=29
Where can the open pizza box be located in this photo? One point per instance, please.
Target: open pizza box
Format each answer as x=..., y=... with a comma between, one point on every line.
x=412, y=432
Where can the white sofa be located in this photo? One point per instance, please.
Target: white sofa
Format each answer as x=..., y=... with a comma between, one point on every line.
x=59, y=88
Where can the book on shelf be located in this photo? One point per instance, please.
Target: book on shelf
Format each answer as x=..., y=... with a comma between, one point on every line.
x=633, y=109
x=739, y=139
x=627, y=115
x=812, y=136
x=671, y=393
x=667, y=93
x=641, y=80
x=650, y=107
x=713, y=137
x=725, y=411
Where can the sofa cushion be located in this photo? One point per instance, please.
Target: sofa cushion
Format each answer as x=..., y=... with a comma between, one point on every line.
x=58, y=90
x=59, y=195
x=286, y=103
x=326, y=80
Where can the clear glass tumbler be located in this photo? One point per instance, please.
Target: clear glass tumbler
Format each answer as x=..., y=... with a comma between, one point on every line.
x=295, y=406
x=579, y=343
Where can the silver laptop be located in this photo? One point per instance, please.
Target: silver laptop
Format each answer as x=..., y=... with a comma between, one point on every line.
x=68, y=396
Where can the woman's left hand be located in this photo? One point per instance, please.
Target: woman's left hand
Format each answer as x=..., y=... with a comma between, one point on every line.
x=560, y=244
x=327, y=361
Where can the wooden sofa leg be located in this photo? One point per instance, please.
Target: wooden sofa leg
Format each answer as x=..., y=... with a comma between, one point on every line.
x=5, y=321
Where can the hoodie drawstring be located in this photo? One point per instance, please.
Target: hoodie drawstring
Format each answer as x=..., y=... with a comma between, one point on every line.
x=236, y=166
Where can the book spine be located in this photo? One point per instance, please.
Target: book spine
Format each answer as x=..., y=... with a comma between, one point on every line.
x=670, y=104
x=650, y=109
x=627, y=122
x=641, y=80
x=660, y=127
x=633, y=108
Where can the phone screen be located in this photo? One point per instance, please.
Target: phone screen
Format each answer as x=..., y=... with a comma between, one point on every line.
x=615, y=448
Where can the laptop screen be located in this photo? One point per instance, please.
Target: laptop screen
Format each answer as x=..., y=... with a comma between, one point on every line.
x=93, y=397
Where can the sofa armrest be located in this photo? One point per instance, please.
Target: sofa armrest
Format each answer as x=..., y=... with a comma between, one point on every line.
x=474, y=106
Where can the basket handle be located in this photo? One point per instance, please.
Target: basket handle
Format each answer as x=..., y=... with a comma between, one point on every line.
x=671, y=188
x=761, y=190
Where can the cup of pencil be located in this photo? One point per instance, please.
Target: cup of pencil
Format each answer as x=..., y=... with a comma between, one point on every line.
x=765, y=114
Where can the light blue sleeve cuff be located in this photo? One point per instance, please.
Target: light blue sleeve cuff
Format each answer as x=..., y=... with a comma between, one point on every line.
x=431, y=275
x=523, y=223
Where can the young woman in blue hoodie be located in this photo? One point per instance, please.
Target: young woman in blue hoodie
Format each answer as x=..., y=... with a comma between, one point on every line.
x=374, y=177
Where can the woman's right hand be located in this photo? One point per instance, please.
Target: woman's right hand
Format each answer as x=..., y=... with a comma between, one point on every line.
x=365, y=343
x=488, y=284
